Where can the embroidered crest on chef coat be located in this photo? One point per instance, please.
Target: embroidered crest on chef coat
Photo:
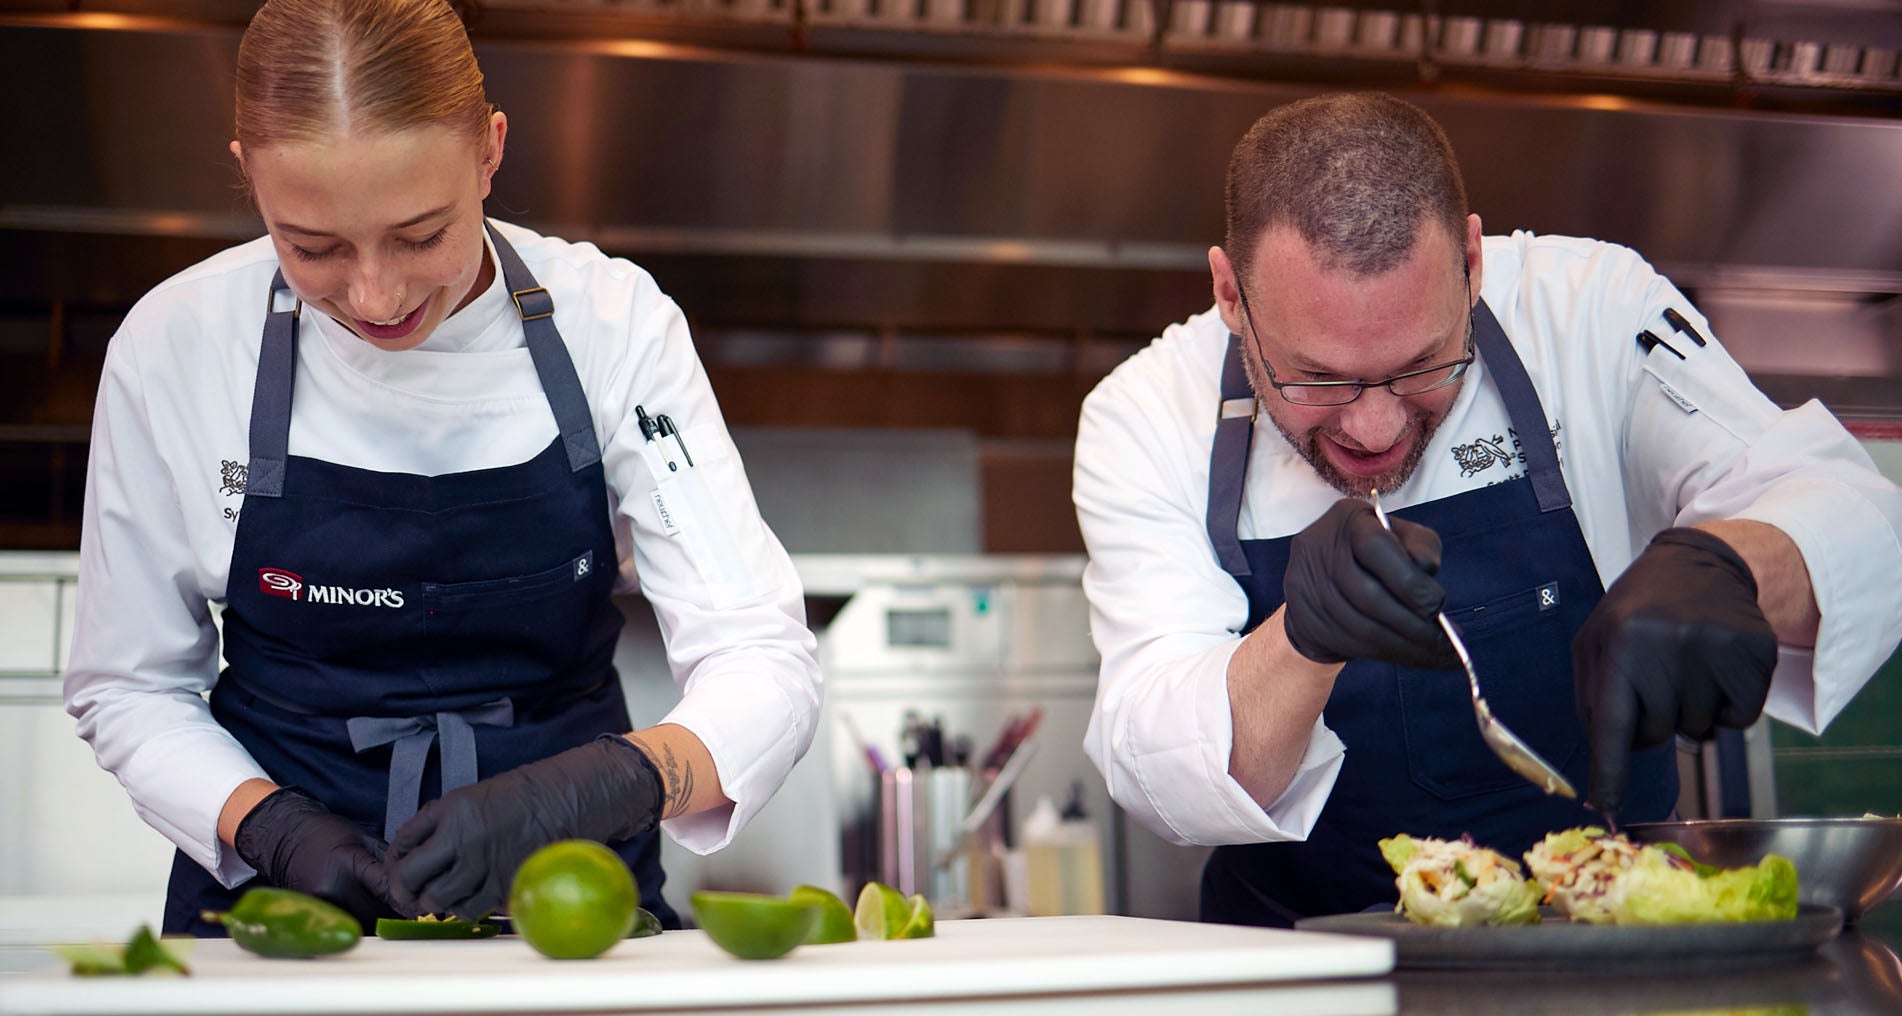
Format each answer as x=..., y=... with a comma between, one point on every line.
x=232, y=476
x=1506, y=450
x=1482, y=455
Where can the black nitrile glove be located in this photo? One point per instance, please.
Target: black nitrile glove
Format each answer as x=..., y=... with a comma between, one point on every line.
x=1678, y=644
x=458, y=854
x=296, y=843
x=1356, y=592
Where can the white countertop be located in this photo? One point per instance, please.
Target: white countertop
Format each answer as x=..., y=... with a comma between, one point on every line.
x=1019, y=962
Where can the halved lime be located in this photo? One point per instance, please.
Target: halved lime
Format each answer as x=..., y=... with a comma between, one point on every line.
x=753, y=926
x=835, y=918
x=918, y=921
x=881, y=912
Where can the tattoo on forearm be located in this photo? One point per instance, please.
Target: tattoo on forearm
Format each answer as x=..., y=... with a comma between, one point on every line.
x=679, y=785
x=676, y=777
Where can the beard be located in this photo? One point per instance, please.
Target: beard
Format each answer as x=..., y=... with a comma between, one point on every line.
x=1419, y=430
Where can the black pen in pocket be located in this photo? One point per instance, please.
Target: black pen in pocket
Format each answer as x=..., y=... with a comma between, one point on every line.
x=667, y=429
x=650, y=430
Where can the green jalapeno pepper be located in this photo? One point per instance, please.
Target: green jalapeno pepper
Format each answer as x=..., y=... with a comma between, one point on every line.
x=284, y=924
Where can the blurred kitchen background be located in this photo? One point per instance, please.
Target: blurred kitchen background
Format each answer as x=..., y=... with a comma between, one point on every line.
x=910, y=236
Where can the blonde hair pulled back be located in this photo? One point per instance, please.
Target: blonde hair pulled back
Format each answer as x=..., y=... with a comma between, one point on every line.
x=310, y=69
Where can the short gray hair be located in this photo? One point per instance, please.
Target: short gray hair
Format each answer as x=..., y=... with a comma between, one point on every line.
x=1355, y=174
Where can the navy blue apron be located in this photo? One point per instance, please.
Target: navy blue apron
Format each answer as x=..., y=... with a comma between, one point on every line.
x=1519, y=582
x=371, y=617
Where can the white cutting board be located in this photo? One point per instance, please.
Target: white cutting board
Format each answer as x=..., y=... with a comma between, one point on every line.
x=683, y=969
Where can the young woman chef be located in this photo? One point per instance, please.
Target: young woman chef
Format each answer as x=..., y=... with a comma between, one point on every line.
x=413, y=451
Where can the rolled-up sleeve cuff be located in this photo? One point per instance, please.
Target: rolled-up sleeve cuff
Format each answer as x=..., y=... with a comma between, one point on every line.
x=1226, y=813
x=1193, y=793
x=179, y=786
x=1845, y=546
x=752, y=750
x=1793, y=690
x=1294, y=813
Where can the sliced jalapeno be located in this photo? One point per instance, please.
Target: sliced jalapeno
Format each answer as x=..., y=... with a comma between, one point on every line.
x=425, y=929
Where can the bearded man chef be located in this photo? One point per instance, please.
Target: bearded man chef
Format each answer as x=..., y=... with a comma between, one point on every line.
x=1633, y=541
x=490, y=432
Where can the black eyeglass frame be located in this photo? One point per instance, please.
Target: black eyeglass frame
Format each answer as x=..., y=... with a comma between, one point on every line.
x=1459, y=366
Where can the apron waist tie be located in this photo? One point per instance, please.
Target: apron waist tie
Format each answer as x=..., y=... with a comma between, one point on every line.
x=412, y=736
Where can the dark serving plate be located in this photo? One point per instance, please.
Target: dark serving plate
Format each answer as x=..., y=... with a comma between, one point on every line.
x=1557, y=942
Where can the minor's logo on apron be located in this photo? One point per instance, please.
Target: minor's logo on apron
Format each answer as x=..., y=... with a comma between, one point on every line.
x=291, y=586
x=278, y=582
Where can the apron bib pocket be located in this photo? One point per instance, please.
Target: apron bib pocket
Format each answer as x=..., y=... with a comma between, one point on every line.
x=1511, y=637
x=568, y=577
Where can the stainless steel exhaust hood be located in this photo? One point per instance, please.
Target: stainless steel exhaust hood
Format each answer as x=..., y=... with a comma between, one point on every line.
x=857, y=205
x=657, y=149
x=120, y=125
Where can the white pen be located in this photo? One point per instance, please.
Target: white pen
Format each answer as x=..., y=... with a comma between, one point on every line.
x=667, y=429
x=650, y=429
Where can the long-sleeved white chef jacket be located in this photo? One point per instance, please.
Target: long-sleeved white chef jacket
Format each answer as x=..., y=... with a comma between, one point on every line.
x=1645, y=441
x=163, y=496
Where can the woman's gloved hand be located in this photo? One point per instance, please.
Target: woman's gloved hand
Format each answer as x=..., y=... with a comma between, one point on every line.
x=459, y=853
x=1355, y=591
x=1677, y=645
x=295, y=842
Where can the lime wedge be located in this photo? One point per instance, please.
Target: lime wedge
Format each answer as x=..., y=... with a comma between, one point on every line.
x=835, y=918
x=881, y=912
x=918, y=921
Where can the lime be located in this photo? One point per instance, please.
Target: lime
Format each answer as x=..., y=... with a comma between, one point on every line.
x=918, y=923
x=753, y=926
x=881, y=913
x=645, y=924
x=835, y=919
x=573, y=899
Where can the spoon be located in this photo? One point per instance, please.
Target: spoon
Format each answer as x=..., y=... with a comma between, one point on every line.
x=1516, y=754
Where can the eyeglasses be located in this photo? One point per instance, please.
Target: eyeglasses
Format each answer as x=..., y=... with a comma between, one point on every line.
x=1340, y=393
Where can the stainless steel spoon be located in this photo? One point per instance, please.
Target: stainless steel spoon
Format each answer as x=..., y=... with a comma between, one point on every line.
x=1516, y=754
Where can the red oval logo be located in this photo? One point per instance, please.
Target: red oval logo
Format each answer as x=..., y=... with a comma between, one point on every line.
x=278, y=582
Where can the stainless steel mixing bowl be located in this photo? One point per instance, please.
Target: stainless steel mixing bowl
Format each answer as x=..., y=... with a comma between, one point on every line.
x=1850, y=863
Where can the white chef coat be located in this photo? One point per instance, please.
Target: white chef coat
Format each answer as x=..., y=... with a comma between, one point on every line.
x=163, y=495
x=1645, y=442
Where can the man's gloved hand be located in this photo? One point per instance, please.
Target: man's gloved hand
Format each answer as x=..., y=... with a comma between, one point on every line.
x=459, y=853
x=1677, y=644
x=296, y=843
x=1354, y=591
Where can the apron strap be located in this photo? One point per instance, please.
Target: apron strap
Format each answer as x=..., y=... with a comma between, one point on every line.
x=552, y=362
x=1523, y=408
x=271, y=393
x=277, y=369
x=412, y=736
x=1228, y=461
